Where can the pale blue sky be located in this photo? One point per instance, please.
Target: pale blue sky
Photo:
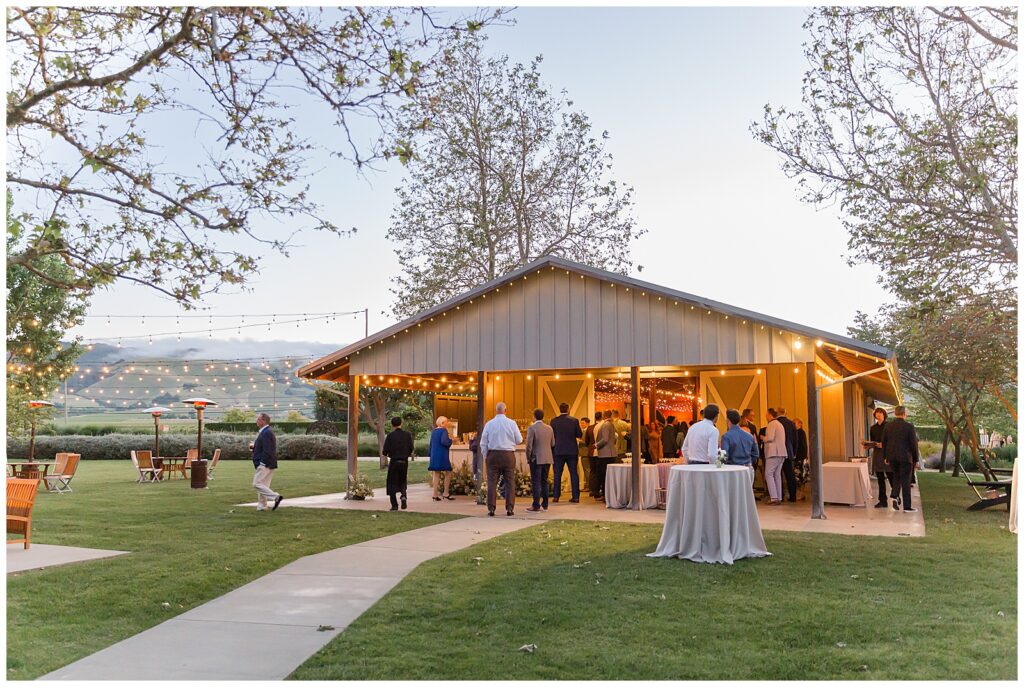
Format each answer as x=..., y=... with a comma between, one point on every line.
x=676, y=88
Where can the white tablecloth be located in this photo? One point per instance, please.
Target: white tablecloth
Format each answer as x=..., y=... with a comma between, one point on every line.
x=848, y=483
x=618, y=486
x=1013, y=498
x=711, y=516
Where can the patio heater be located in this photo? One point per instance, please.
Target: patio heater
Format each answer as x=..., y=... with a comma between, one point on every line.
x=199, y=464
x=32, y=443
x=156, y=412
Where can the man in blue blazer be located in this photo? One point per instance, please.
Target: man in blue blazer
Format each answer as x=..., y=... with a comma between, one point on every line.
x=567, y=432
x=264, y=459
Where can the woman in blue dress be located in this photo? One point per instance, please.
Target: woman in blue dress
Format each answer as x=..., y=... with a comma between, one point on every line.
x=440, y=462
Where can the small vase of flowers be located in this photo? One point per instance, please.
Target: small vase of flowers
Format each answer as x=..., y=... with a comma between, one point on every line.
x=721, y=458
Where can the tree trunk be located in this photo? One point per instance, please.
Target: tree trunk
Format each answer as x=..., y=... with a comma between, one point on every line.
x=942, y=456
x=956, y=455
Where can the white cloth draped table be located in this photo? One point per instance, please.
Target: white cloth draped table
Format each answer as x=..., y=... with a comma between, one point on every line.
x=618, y=486
x=711, y=516
x=848, y=483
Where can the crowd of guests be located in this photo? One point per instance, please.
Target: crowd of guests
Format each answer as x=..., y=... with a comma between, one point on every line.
x=780, y=449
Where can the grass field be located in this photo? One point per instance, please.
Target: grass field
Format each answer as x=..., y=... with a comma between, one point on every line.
x=823, y=607
x=188, y=546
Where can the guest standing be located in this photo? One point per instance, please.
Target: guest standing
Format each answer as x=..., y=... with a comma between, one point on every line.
x=264, y=459
x=739, y=446
x=540, y=440
x=607, y=452
x=584, y=456
x=775, y=453
x=668, y=438
x=747, y=423
x=398, y=448
x=622, y=430
x=788, y=473
x=900, y=449
x=802, y=452
x=567, y=431
x=701, y=442
x=879, y=467
x=654, y=430
x=498, y=442
x=440, y=461
x=590, y=438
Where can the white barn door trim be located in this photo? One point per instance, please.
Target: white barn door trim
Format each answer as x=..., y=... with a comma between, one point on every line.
x=584, y=397
x=709, y=392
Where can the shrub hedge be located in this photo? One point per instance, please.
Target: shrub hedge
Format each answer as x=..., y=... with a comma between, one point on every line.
x=233, y=446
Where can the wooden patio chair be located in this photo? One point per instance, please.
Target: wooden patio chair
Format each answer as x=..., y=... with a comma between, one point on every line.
x=21, y=496
x=147, y=471
x=213, y=463
x=60, y=461
x=990, y=496
x=60, y=479
x=990, y=472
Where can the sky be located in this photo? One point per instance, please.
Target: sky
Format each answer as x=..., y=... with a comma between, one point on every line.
x=677, y=90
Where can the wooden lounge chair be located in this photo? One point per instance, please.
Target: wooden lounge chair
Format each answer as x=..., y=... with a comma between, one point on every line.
x=147, y=471
x=60, y=479
x=990, y=496
x=21, y=496
x=990, y=472
x=213, y=463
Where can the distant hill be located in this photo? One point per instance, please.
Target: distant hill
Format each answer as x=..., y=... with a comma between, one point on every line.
x=130, y=378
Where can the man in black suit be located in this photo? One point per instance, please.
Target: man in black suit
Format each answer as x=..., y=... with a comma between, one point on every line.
x=398, y=447
x=788, y=473
x=900, y=450
x=567, y=432
x=264, y=459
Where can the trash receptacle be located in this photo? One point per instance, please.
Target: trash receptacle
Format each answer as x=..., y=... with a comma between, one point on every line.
x=199, y=474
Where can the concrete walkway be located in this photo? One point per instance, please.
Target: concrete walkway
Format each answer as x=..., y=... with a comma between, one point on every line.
x=269, y=627
x=39, y=556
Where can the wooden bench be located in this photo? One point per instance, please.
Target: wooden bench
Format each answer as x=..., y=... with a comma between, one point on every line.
x=21, y=496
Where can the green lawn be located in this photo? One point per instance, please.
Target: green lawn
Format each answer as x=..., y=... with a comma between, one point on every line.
x=188, y=546
x=824, y=607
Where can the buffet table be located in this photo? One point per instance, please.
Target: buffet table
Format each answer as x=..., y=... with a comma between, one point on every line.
x=711, y=516
x=618, y=486
x=460, y=453
x=848, y=483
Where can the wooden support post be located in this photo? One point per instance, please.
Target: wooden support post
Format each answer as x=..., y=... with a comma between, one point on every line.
x=353, y=434
x=637, y=420
x=481, y=399
x=814, y=442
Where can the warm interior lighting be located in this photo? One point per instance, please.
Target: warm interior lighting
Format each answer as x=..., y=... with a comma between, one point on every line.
x=820, y=343
x=797, y=344
x=529, y=377
x=497, y=377
x=589, y=375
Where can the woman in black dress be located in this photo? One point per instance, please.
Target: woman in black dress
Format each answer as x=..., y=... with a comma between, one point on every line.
x=882, y=470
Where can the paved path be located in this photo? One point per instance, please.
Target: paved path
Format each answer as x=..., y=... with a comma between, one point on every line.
x=37, y=556
x=269, y=627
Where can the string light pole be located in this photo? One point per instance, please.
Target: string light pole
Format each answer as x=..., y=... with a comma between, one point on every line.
x=199, y=465
x=156, y=412
x=32, y=443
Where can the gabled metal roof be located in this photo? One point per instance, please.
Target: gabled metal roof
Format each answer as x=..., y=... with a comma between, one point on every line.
x=552, y=262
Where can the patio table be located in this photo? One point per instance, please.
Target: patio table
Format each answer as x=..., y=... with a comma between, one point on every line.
x=29, y=469
x=618, y=486
x=711, y=516
x=170, y=465
x=848, y=483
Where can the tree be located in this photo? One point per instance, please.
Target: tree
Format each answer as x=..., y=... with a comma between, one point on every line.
x=295, y=416
x=38, y=314
x=238, y=415
x=909, y=122
x=150, y=137
x=377, y=405
x=505, y=172
x=951, y=359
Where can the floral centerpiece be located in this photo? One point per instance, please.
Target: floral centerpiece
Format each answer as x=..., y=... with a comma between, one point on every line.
x=360, y=487
x=722, y=458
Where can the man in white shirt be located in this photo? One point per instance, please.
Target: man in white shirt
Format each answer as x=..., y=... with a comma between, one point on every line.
x=498, y=442
x=701, y=442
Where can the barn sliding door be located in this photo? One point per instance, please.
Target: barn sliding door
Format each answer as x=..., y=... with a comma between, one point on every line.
x=737, y=389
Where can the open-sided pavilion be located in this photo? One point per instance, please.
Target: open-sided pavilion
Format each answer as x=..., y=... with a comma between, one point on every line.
x=556, y=330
